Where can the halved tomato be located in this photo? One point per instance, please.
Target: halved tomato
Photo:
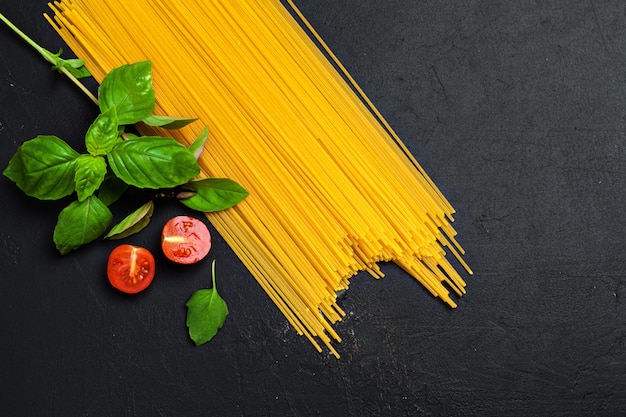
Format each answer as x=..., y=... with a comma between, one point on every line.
x=130, y=268
x=185, y=240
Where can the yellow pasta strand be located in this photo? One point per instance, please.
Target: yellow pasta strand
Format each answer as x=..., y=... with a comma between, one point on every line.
x=333, y=190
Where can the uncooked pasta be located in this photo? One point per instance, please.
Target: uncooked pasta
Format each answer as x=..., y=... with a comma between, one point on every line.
x=333, y=190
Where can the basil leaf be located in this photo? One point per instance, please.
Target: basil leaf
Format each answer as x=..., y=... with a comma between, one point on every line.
x=213, y=194
x=133, y=223
x=129, y=89
x=206, y=313
x=153, y=162
x=73, y=66
x=81, y=222
x=198, y=145
x=90, y=172
x=168, y=122
x=103, y=133
x=111, y=190
x=43, y=168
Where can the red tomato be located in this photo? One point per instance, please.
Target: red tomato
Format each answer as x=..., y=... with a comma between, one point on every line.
x=185, y=240
x=130, y=268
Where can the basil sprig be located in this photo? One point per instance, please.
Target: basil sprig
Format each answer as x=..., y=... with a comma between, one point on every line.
x=47, y=168
x=206, y=313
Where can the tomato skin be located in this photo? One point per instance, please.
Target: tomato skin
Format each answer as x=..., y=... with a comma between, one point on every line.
x=130, y=268
x=185, y=240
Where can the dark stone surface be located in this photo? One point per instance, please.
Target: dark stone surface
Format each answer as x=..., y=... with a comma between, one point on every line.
x=516, y=110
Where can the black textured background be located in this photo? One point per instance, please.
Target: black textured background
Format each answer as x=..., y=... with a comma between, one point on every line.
x=515, y=108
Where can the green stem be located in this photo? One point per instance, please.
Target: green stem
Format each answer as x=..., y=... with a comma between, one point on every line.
x=24, y=36
x=213, y=275
x=48, y=56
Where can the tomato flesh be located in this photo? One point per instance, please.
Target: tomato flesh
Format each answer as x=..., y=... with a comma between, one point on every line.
x=185, y=240
x=130, y=268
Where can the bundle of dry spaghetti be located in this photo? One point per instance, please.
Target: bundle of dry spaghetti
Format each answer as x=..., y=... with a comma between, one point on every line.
x=333, y=191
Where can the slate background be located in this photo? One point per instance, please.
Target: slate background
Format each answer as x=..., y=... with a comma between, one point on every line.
x=516, y=109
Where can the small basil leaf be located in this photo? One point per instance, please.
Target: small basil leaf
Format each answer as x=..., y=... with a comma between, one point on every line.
x=103, y=133
x=153, y=162
x=133, y=223
x=43, y=168
x=73, y=66
x=90, y=172
x=206, y=313
x=111, y=190
x=81, y=222
x=168, y=122
x=213, y=194
x=197, y=146
x=129, y=89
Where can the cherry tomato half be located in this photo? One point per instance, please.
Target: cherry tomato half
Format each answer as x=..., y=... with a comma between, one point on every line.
x=130, y=268
x=185, y=240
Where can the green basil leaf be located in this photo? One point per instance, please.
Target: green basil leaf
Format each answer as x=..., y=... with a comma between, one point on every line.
x=129, y=89
x=90, y=172
x=153, y=162
x=168, y=122
x=133, y=223
x=197, y=146
x=81, y=222
x=73, y=66
x=206, y=313
x=213, y=194
x=43, y=168
x=111, y=190
x=103, y=133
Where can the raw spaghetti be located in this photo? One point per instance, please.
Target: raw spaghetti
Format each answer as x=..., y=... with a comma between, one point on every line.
x=333, y=190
